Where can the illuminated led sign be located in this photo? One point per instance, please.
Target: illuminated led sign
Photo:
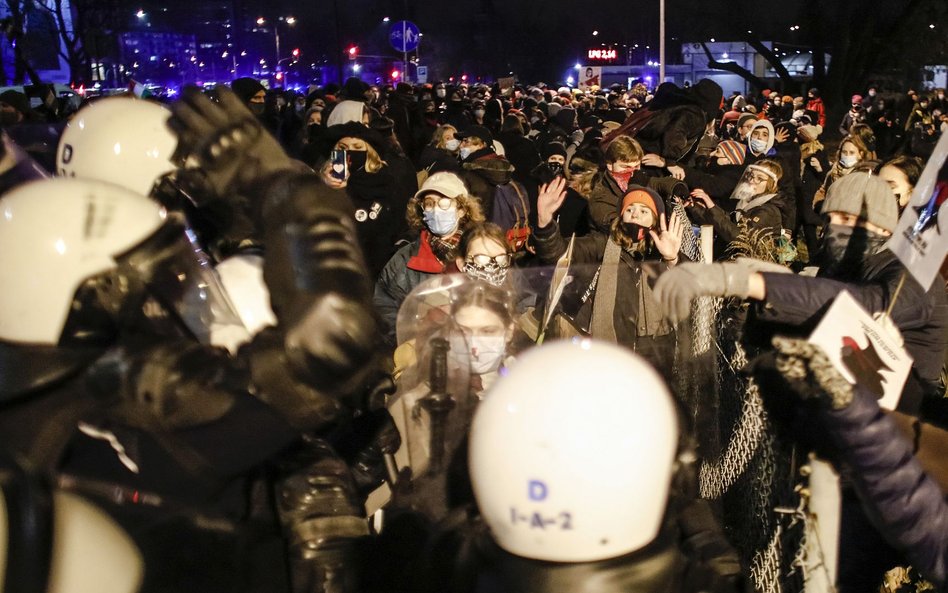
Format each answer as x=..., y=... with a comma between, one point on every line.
x=602, y=54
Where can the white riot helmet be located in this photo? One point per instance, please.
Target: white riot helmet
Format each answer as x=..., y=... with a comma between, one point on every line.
x=83, y=255
x=572, y=454
x=121, y=140
x=58, y=542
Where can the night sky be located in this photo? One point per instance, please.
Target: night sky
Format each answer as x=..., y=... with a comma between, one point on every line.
x=535, y=38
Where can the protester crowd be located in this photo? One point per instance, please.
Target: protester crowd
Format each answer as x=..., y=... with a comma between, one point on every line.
x=296, y=341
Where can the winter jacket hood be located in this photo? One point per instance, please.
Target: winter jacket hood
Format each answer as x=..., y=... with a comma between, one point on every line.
x=494, y=169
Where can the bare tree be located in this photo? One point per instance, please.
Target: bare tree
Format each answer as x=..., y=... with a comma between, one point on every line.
x=15, y=33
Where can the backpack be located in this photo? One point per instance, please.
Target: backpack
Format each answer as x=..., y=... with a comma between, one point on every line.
x=631, y=127
x=510, y=213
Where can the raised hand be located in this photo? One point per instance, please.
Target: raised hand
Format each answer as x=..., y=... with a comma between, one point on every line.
x=703, y=197
x=668, y=239
x=549, y=200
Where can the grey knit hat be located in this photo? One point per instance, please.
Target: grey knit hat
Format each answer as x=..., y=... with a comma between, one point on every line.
x=866, y=196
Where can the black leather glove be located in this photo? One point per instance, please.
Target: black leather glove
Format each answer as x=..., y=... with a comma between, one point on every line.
x=225, y=151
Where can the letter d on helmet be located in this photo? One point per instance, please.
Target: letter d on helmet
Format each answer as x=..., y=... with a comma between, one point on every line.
x=572, y=454
x=121, y=140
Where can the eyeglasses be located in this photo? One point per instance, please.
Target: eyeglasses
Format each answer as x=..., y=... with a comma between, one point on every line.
x=758, y=179
x=482, y=259
x=431, y=202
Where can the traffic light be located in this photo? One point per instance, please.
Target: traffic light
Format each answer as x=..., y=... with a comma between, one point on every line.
x=353, y=52
x=296, y=52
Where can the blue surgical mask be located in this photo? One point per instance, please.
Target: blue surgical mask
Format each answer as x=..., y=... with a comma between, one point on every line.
x=758, y=146
x=466, y=152
x=452, y=144
x=441, y=222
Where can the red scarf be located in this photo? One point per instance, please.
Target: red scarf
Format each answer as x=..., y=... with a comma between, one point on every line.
x=426, y=260
x=622, y=178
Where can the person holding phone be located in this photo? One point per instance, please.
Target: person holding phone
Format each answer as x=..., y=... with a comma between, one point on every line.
x=356, y=165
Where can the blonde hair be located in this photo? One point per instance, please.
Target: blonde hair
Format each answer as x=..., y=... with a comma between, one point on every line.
x=471, y=205
x=774, y=168
x=437, y=139
x=373, y=162
x=856, y=140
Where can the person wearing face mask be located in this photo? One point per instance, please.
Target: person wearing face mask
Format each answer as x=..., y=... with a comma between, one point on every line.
x=623, y=161
x=855, y=115
x=573, y=215
x=861, y=213
x=719, y=174
x=483, y=254
x=851, y=151
x=760, y=141
x=484, y=171
x=253, y=95
x=440, y=212
x=427, y=123
x=455, y=112
x=920, y=115
x=309, y=140
x=757, y=210
x=478, y=112
x=611, y=298
x=441, y=153
x=902, y=173
x=378, y=197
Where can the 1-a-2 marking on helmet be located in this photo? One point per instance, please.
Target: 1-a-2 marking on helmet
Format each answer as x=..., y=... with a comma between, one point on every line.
x=537, y=520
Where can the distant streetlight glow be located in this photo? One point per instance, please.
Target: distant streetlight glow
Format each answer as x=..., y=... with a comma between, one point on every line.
x=577, y=66
x=291, y=20
x=261, y=20
x=140, y=14
x=595, y=33
x=569, y=80
x=386, y=19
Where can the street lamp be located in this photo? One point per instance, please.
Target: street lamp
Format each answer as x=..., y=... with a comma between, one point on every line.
x=289, y=20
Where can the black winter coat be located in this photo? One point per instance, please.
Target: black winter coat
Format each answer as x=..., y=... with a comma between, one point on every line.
x=921, y=315
x=904, y=503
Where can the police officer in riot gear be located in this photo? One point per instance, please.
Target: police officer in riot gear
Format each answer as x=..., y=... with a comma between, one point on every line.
x=108, y=383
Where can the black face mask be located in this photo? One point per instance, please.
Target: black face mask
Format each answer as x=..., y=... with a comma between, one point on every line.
x=844, y=250
x=258, y=108
x=357, y=160
x=555, y=168
x=634, y=231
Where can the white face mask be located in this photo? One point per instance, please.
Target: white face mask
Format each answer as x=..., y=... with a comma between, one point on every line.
x=479, y=113
x=847, y=162
x=442, y=222
x=452, y=144
x=466, y=152
x=441, y=93
x=487, y=352
x=758, y=146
